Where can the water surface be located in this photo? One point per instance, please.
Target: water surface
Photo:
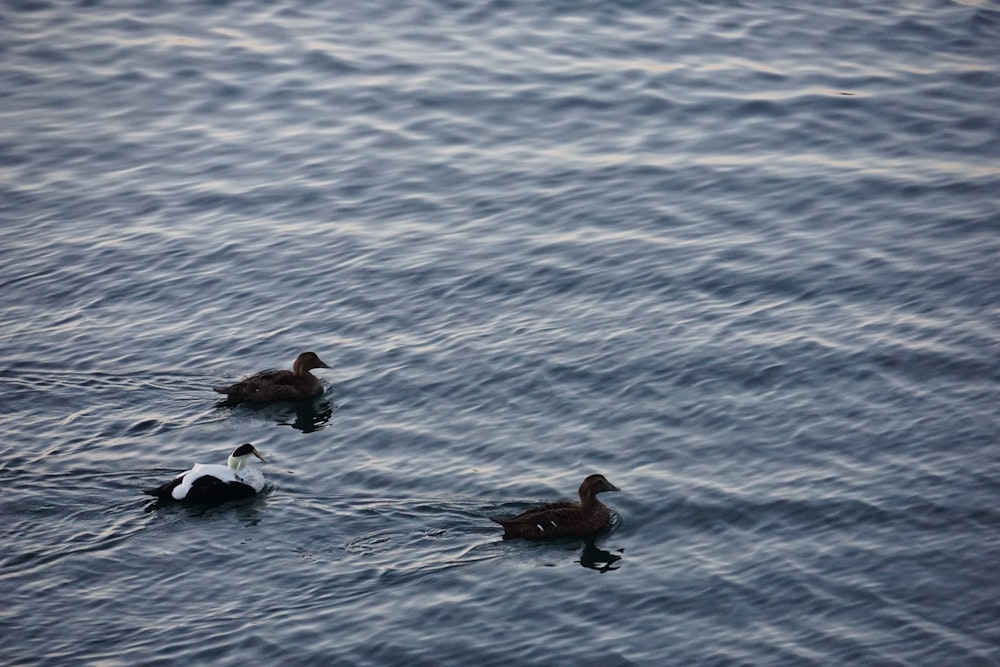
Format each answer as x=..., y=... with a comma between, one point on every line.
x=740, y=258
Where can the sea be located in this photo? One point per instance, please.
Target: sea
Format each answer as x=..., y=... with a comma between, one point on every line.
x=742, y=257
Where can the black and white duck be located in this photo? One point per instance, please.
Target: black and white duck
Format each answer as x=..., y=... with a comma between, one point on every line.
x=214, y=482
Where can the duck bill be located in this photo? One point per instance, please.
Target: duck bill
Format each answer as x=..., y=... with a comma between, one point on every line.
x=257, y=454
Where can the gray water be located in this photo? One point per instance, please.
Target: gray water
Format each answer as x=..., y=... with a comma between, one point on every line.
x=739, y=257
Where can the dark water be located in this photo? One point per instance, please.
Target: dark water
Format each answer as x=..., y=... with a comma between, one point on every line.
x=740, y=257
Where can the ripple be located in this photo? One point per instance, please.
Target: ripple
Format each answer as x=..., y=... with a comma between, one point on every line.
x=739, y=258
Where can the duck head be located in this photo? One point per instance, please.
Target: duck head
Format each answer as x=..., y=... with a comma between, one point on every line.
x=593, y=485
x=307, y=361
x=241, y=457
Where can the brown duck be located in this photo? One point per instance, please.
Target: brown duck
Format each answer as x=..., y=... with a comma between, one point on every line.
x=563, y=519
x=297, y=384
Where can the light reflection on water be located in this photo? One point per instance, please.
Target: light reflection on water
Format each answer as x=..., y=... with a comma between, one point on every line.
x=533, y=241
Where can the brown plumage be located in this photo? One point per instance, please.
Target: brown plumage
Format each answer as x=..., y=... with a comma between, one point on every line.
x=297, y=384
x=563, y=519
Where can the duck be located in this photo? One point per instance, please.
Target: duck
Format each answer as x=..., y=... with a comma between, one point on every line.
x=215, y=482
x=297, y=384
x=564, y=518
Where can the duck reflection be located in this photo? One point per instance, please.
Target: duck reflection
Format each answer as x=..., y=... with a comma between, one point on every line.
x=246, y=509
x=595, y=558
x=310, y=416
x=305, y=416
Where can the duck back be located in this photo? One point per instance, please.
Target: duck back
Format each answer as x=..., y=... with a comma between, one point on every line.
x=562, y=519
x=205, y=489
x=272, y=386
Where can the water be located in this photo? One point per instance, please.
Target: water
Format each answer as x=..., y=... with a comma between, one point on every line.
x=740, y=258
